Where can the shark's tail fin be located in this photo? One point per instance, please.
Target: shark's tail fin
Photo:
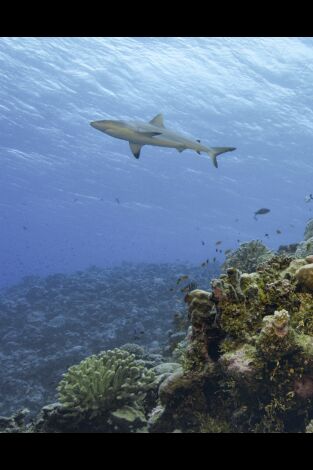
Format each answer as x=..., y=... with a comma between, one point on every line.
x=215, y=151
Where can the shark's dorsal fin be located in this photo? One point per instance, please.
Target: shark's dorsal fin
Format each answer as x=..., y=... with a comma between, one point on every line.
x=135, y=148
x=157, y=120
x=198, y=140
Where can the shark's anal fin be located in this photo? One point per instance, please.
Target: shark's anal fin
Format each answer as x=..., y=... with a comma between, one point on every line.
x=135, y=148
x=157, y=120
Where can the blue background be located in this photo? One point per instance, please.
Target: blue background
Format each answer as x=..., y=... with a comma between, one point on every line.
x=59, y=178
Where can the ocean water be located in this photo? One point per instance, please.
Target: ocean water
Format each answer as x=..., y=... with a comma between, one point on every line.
x=93, y=241
x=60, y=178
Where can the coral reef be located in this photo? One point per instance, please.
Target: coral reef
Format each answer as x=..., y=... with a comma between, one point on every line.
x=248, y=364
x=247, y=257
x=240, y=359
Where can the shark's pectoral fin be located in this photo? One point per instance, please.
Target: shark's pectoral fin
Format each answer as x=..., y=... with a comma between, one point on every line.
x=135, y=148
x=157, y=120
x=180, y=149
x=198, y=152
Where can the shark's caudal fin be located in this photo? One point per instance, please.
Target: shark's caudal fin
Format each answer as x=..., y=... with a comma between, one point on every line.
x=215, y=151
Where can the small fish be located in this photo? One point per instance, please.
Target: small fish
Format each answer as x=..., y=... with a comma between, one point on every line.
x=214, y=259
x=278, y=231
x=216, y=249
x=171, y=289
x=205, y=263
x=261, y=212
x=218, y=243
x=221, y=251
x=181, y=278
x=75, y=199
x=117, y=200
x=227, y=251
x=24, y=227
x=238, y=241
x=202, y=242
x=191, y=286
x=266, y=235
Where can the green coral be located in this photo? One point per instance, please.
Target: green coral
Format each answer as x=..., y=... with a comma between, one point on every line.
x=104, y=382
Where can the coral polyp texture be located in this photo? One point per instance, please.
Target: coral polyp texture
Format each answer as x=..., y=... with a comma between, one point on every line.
x=248, y=363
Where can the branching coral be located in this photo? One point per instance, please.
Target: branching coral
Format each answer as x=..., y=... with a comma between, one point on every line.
x=104, y=382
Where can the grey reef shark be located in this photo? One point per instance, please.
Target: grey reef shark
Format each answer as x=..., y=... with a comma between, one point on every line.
x=154, y=133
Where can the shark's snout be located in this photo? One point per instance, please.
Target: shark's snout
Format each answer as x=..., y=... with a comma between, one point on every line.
x=97, y=125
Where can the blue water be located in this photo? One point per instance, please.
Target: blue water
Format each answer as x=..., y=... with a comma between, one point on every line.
x=59, y=177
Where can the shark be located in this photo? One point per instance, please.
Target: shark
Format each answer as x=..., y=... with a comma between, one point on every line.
x=155, y=133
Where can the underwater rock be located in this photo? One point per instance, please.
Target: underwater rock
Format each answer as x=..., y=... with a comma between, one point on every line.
x=304, y=275
x=15, y=423
x=129, y=419
x=293, y=267
x=308, y=232
x=166, y=368
x=309, y=427
x=247, y=257
x=242, y=364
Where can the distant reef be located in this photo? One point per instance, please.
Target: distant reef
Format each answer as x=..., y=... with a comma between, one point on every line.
x=49, y=324
x=242, y=362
